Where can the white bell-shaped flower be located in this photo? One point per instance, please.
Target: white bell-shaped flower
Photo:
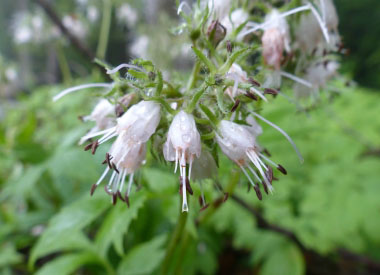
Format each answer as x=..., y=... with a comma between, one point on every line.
x=103, y=115
x=139, y=122
x=182, y=146
x=239, y=144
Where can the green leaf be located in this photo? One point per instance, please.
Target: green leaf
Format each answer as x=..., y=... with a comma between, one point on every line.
x=116, y=224
x=9, y=255
x=144, y=258
x=67, y=264
x=63, y=231
x=287, y=260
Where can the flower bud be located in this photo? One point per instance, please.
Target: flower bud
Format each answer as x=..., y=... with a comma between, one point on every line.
x=216, y=33
x=183, y=145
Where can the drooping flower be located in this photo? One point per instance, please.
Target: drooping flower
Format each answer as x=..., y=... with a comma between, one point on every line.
x=309, y=35
x=182, y=146
x=238, y=142
x=102, y=115
x=127, y=153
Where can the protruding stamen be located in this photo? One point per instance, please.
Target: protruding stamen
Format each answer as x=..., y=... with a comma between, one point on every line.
x=115, y=168
x=130, y=184
x=247, y=175
x=185, y=207
x=93, y=187
x=297, y=79
x=102, y=176
x=258, y=93
x=176, y=161
x=114, y=198
x=283, y=133
x=270, y=91
x=81, y=87
x=182, y=7
x=106, y=132
x=226, y=196
x=258, y=192
x=236, y=105
x=251, y=95
x=94, y=146
x=121, y=66
x=254, y=82
x=229, y=46
x=282, y=169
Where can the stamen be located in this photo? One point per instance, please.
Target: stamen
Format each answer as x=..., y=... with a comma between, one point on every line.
x=254, y=82
x=282, y=169
x=251, y=95
x=226, y=196
x=258, y=192
x=107, y=131
x=130, y=183
x=268, y=160
x=321, y=23
x=202, y=197
x=176, y=161
x=297, y=79
x=191, y=165
x=94, y=146
x=236, y=105
x=270, y=91
x=124, y=174
x=258, y=93
x=81, y=87
x=88, y=147
x=102, y=176
x=124, y=65
x=283, y=133
x=115, y=168
x=107, y=137
x=247, y=175
x=182, y=7
x=93, y=187
x=114, y=198
x=185, y=207
x=109, y=185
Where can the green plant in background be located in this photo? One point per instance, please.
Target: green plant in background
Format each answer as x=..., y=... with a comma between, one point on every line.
x=53, y=225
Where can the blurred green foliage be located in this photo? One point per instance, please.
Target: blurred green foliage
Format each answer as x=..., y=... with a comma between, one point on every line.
x=51, y=225
x=359, y=23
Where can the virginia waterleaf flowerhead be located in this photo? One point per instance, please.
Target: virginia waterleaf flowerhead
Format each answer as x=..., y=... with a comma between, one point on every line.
x=183, y=145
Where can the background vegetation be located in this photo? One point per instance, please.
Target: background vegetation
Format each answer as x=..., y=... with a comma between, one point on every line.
x=322, y=218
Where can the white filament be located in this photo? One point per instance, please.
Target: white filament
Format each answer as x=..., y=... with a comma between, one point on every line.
x=81, y=87
x=182, y=7
x=124, y=65
x=297, y=79
x=102, y=176
x=283, y=133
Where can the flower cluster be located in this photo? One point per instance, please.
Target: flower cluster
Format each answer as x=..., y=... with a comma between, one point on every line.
x=217, y=111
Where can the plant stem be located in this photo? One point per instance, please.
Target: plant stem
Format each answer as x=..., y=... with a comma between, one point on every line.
x=173, y=243
x=105, y=29
x=194, y=76
x=63, y=65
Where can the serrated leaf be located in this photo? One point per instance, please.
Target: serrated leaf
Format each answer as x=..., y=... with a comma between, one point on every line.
x=144, y=258
x=116, y=224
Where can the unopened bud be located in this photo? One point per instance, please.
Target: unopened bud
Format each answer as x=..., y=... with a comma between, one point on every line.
x=216, y=32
